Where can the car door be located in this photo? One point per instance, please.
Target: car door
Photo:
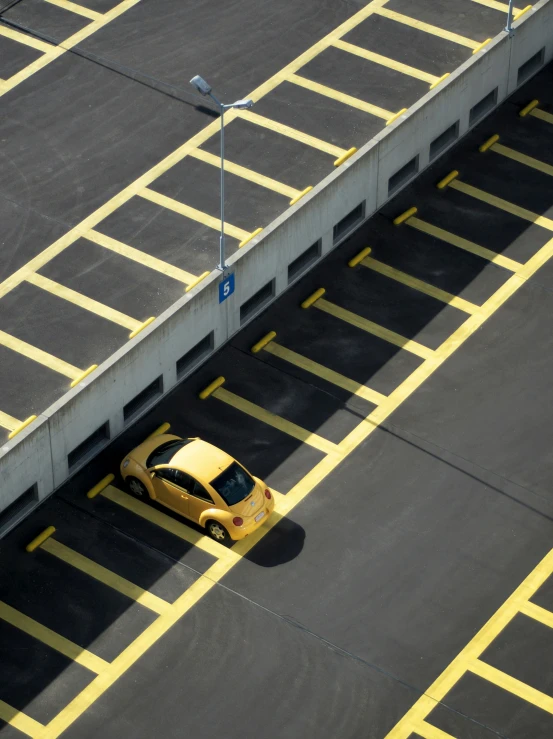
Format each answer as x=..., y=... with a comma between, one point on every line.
x=199, y=501
x=169, y=490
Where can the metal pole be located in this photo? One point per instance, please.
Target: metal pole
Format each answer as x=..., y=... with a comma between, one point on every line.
x=509, y=26
x=222, y=236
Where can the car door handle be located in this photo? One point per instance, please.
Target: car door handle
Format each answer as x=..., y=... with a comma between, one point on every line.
x=184, y=496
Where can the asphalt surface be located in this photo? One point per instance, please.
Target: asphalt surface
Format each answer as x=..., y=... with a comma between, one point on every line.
x=382, y=564
x=96, y=94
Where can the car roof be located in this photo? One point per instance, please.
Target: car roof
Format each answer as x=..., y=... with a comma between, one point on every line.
x=201, y=460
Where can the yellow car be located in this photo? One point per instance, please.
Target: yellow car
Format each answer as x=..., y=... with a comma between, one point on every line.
x=201, y=482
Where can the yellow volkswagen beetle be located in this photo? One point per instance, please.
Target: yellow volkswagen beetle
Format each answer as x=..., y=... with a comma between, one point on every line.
x=201, y=482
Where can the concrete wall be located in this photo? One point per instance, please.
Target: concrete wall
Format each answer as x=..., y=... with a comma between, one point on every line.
x=38, y=455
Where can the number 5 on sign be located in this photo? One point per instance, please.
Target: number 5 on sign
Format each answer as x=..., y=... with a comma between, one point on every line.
x=226, y=288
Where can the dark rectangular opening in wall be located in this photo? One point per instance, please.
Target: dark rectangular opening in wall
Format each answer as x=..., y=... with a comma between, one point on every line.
x=483, y=107
x=195, y=355
x=256, y=301
x=442, y=141
x=532, y=65
x=302, y=262
x=25, y=501
x=403, y=175
x=349, y=222
x=143, y=398
x=88, y=446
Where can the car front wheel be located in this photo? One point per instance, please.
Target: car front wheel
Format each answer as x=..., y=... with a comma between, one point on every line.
x=218, y=532
x=136, y=488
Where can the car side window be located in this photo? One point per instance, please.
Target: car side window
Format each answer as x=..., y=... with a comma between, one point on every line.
x=183, y=480
x=167, y=474
x=199, y=491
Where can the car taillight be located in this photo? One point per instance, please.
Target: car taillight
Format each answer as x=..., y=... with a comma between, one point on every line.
x=267, y=494
x=237, y=521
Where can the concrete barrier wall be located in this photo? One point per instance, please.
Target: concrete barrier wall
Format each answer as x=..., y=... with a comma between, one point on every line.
x=37, y=458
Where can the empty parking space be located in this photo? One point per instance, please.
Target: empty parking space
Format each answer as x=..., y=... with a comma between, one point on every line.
x=333, y=87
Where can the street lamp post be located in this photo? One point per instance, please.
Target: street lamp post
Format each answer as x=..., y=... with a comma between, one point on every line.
x=205, y=89
x=509, y=26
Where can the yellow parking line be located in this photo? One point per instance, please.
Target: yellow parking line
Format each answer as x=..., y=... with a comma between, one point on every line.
x=325, y=373
x=75, y=8
x=52, y=639
x=292, y=133
x=192, y=213
x=105, y=576
x=22, y=38
x=245, y=173
x=330, y=92
x=385, y=61
x=427, y=731
x=277, y=422
x=423, y=287
x=374, y=328
x=93, y=306
x=542, y=115
x=517, y=156
x=37, y=355
x=464, y=244
x=511, y=684
x=427, y=28
x=167, y=523
x=537, y=613
x=20, y=720
x=505, y=205
x=503, y=7
x=141, y=257
x=8, y=422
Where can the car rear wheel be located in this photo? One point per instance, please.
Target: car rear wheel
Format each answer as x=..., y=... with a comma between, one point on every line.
x=136, y=488
x=218, y=532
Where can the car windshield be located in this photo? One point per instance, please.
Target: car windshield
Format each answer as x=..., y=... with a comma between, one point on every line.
x=234, y=484
x=165, y=452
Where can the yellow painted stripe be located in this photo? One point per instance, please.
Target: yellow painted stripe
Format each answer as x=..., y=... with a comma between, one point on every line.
x=22, y=38
x=537, y=613
x=503, y=7
x=277, y=422
x=192, y=213
x=324, y=372
x=167, y=523
x=75, y=8
x=299, y=492
x=292, y=133
x=141, y=257
x=428, y=28
x=105, y=576
x=8, y=422
x=341, y=97
x=374, y=328
x=52, y=639
x=464, y=244
x=385, y=61
x=93, y=306
x=505, y=205
x=20, y=720
x=56, y=51
x=542, y=115
x=517, y=156
x=427, y=731
x=514, y=686
x=37, y=355
x=504, y=615
x=246, y=174
x=423, y=287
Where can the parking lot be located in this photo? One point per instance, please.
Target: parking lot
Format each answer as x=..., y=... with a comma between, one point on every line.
x=109, y=189
x=401, y=417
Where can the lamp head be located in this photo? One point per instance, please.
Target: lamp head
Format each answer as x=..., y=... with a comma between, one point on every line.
x=243, y=104
x=201, y=85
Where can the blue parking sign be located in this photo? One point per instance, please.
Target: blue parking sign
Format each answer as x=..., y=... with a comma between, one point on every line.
x=226, y=288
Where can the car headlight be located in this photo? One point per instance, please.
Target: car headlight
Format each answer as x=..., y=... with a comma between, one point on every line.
x=126, y=463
